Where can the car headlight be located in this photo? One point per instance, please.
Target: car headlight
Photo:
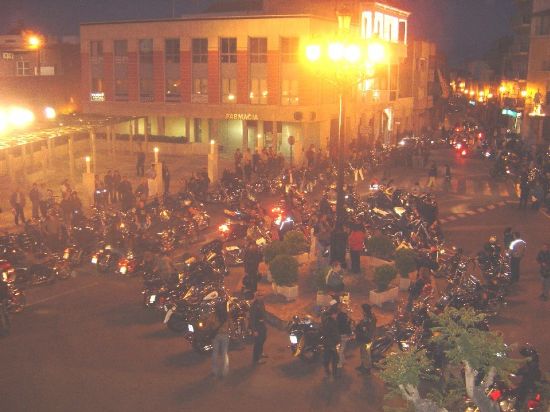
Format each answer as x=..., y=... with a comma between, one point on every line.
x=293, y=339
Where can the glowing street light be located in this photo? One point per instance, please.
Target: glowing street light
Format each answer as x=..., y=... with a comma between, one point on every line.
x=376, y=52
x=49, y=113
x=524, y=93
x=19, y=117
x=313, y=52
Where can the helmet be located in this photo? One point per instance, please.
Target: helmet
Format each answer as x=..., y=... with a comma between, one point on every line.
x=528, y=351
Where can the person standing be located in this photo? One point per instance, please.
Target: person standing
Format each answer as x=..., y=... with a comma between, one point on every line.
x=364, y=335
x=345, y=331
x=252, y=258
x=237, y=158
x=166, y=178
x=259, y=329
x=543, y=259
x=35, y=198
x=116, y=185
x=448, y=177
x=356, y=241
x=432, y=175
x=17, y=202
x=109, y=185
x=357, y=165
x=517, y=250
x=334, y=279
x=247, y=165
x=508, y=237
x=523, y=191
x=330, y=332
x=140, y=162
x=220, y=343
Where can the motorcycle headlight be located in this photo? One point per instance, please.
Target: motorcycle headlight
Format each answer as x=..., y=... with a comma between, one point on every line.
x=94, y=260
x=190, y=328
x=123, y=270
x=152, y=298
x=293, y=339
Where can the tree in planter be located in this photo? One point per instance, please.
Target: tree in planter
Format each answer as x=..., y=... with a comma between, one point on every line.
x=296, y=242
x=403, y=372
x=405, y=261
x=274, y=249
x=284, y=270
x=380, y=246
x=383, y=275
x=483, y=354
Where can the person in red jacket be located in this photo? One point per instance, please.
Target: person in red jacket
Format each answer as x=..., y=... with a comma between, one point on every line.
x=356, y=242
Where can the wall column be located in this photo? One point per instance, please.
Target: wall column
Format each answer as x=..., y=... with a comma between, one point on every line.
x=245, y=134
x=71, y=157
x=146, y=132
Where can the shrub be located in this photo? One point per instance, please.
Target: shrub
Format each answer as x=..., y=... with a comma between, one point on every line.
x=383, y=275
x=284, y=270
x=380, y=246
x=274, y=249
x=296, y=242
x=405, y=261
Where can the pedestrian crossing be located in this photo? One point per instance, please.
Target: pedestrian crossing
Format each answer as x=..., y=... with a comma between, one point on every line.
x=464, y=186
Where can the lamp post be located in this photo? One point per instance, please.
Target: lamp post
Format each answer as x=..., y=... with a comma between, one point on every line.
x=34, y=41
x=346, y=61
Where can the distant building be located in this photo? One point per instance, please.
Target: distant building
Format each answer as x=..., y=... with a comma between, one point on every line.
x=37, y=78
x=236, y=74
x=537, y=111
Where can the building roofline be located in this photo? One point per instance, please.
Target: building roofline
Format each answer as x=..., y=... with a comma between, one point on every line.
x=208, y=17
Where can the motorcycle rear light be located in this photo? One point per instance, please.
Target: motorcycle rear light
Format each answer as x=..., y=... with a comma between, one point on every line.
x=463, y=153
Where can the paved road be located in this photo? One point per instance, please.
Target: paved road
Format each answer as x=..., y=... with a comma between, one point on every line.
x=88, y=345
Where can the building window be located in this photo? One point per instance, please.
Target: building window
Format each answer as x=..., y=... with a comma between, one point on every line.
x=542, y=27
x=23, y=68
x=289, y=92
x=258, y=50
x=198, y=130
x=200, y=50
x=97, y=85
x=258, y=91
x=172, y=50
x=289, y=49
x=96, y=50
x=229, y=90
x=200, y=86
x=120, y=48
x=228, y=50
x=172, y=70
x=146, y=70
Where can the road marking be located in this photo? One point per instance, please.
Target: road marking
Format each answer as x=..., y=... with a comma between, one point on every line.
x=491, y=207
x=481, y=209
x=68, y=292
x=471, y=212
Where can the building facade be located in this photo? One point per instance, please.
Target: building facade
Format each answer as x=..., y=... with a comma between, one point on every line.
x=537, y=111
x=241, y=79
x=48, y=76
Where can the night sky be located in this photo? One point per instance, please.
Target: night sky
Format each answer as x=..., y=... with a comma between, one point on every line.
x=464, y=29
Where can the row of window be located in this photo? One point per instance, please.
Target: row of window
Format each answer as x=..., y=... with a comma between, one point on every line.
x=257, y=50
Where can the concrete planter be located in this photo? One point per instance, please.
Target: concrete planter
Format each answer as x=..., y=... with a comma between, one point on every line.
x=404, y=283
x=323, y=299
x=289, y=292
x=379, y=298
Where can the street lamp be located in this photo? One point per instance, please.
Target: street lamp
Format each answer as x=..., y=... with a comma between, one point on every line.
x=346, y=61
x=34, y=41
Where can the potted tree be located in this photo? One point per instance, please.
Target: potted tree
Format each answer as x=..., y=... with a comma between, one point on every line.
x=405, y=263
x=297, y=245
x=380, y=246
x=383, y=275
x=271, y=251
x=284, y=271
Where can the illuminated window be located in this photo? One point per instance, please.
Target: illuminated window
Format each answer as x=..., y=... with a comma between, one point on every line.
x=289, y=49
x=229, y=90
x=23, y=68
x=258, y=91
x=200, y=86
x=289, y=92
x=120, y=48
x=146, y=70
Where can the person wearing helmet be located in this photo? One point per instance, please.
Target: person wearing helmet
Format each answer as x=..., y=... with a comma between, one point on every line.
x=492, y=250
x=529, y=373
x=517, y=250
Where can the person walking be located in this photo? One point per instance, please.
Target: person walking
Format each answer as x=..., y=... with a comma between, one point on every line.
x=17, y=202
x=543, y=259
x=364, y=335
x=517, y=250
x=345, y=331
x=252, y=258
x=259, y=329
x=448, y=177
x=35, y=198
x=357, y=166
x=356, y=242
x=432, y=175
x=329, y=330
x=220, y=343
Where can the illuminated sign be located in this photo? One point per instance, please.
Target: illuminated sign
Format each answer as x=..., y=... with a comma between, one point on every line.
x=241, y=116
x=8, y=56
x=97, y=97
x=511, y=113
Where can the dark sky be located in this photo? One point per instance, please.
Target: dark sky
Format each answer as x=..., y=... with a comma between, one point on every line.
x=464, y=29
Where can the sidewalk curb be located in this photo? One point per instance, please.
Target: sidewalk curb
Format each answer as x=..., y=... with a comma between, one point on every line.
x=475, y=211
